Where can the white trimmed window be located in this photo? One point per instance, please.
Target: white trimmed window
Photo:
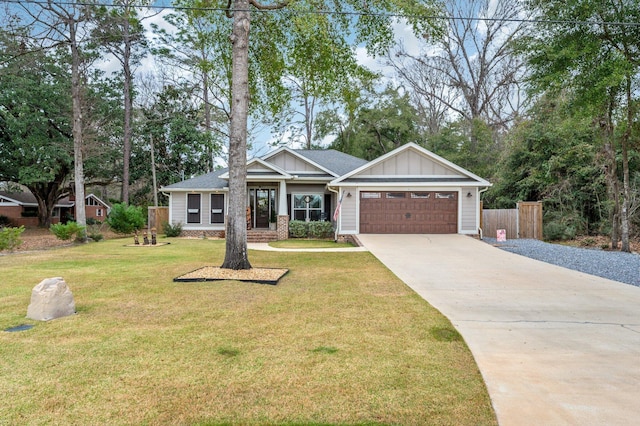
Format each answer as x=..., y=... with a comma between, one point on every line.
x=307, y=207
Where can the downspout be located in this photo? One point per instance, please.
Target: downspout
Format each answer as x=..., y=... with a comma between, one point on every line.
x=337, y=192
x=480, y=196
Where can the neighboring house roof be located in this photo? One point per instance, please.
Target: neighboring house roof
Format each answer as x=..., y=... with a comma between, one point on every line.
x=99, y=200
x=20, y=198
x=27, y=199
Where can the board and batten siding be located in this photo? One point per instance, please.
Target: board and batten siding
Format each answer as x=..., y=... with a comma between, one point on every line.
x=179, y=211
x=349, y=212
x=408, y=163
x=469, y=211
x=291, y=163
x=178, y=205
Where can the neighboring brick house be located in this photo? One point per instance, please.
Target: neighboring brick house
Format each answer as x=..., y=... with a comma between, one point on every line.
x=21, y=208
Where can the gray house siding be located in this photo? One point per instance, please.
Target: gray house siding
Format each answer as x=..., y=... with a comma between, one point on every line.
x=469, y=205
x=349, y=211
x=178, y=212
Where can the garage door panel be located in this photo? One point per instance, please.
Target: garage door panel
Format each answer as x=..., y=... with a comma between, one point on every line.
x=408, y=212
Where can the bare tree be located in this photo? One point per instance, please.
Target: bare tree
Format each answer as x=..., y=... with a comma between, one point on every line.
x=470, y=72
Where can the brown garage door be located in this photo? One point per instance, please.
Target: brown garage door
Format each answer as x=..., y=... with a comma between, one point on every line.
x=388, y=212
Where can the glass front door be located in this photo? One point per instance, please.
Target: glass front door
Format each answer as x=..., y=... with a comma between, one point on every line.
x=263, y=206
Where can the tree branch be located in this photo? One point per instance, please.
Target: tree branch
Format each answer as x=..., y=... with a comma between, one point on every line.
x=276, y=6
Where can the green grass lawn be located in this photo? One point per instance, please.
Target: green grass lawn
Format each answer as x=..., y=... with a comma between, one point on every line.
x=340, y=340
x=311, y=244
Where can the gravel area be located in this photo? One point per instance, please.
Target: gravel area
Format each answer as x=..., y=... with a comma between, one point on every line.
x=614, y=265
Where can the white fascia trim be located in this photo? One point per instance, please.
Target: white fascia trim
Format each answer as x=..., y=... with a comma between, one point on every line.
x=413, y=176
x=266, y=165
x=374, y=186
x=196, y=191
x=10, y=200
x=99, y=200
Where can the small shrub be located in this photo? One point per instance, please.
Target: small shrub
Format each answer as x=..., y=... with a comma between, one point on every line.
x=303, y=229
x=172, y=230
x=298, y=229
x=92, y=221
x=125, y=219
x=96, y=236
x=554, y=231
x=10, y=238
x=320, y=229
x=66, y=231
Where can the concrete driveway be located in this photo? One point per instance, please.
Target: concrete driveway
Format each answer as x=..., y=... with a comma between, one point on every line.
x=554, y=346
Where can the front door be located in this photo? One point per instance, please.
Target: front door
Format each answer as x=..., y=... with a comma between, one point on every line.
x=263, y=206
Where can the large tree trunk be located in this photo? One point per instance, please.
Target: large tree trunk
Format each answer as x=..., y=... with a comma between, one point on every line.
x=80, y=216
x=611, y=174
x=626, y=184
x=236, y=236
x=47, y=194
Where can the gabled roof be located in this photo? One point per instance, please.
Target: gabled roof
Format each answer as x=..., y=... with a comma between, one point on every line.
x=327, y=163
x=21, y=198
x=29, y=200
x=338, y=162
x=92, y=195
x=258, y=169
x=334, y=163
x=211, y=181
x=464, y=176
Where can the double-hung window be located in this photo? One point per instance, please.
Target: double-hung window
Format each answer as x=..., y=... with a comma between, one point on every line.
x=308, y=207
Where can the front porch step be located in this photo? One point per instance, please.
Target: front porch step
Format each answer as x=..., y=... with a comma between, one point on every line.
x=261, y=236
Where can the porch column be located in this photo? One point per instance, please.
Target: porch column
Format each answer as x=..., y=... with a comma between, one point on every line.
x=282, y=199
x=283, y=218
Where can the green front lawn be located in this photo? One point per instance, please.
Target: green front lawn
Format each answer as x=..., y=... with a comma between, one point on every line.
x=340, y=340
x=310, y=244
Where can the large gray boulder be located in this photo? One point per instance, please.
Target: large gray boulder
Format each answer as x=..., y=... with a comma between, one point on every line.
x=51, y=299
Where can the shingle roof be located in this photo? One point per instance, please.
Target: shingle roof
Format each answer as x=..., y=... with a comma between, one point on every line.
x=207, y=181
x=28, y=199
x=21, y=197
x=336, y=161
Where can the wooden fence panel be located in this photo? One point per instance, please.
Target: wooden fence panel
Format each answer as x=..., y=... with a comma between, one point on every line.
x=530, y=220
x=157, y=216
x=525, y=221
x=495, y=219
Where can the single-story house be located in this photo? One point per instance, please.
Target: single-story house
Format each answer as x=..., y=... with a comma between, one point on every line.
x=409, y=190
x=21, y=208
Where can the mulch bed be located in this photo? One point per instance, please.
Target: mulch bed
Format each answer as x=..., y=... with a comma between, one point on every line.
x=254, y=275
